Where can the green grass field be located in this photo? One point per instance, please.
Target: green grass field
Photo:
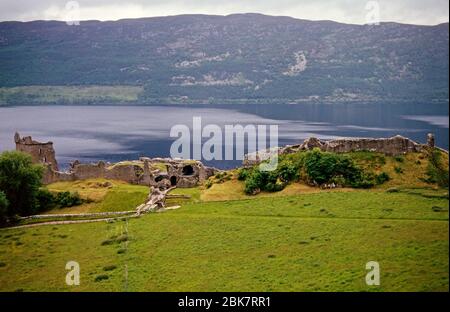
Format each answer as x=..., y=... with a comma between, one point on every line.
x=304, y=242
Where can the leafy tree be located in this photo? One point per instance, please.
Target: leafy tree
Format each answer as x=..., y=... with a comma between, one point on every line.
x=20, y=180
x=3, y=207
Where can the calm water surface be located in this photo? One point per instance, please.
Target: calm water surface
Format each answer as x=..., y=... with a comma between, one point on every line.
x=113, y=133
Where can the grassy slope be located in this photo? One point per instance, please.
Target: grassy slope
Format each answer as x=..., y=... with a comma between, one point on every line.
x=305, y=242
x=413, y=167
x=301, y=238
x=119, y=197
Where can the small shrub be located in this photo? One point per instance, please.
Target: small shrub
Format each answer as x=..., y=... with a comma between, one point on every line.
x=115, y=239
x=220, y=175
x=46, y=200
x=109, y=267
x=122, y=238
x=121, y=251
x=68, y=199
x=399, y=159
x=398, y=170
x=208, y=184
x=382, y=177
x=108, y=242
x=101, y=277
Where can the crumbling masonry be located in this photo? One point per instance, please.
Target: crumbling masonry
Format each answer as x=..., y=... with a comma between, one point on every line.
x=397, y=145
x=167, y=172
x=158, y=172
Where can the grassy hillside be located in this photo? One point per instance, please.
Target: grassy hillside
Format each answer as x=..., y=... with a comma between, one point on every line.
x=305, y=242
x=101, y=195
x=239, y=58
x=302, y=238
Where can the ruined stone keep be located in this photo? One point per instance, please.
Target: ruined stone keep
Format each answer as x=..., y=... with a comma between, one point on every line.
x=40, y=152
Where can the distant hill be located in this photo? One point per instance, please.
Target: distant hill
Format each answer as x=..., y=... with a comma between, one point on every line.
x=235, y=58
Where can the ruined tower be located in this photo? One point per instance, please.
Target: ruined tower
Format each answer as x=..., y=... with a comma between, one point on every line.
x=430, y=140
x=42, y=153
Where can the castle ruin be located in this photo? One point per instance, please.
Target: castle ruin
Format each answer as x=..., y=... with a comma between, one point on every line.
x=167, y=172
x=394, y=146
x=158, y=172
x=42, y=153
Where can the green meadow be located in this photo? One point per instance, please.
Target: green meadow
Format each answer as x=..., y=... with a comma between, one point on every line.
x=304, y=242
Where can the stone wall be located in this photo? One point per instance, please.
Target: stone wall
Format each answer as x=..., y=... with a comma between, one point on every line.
x=397, y=145
x=179, y=173
x=158, y=172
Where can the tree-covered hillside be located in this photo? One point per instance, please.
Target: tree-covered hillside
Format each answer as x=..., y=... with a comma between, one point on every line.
x=250, y=57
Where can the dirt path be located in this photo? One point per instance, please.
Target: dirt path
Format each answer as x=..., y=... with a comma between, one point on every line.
x=67, y=222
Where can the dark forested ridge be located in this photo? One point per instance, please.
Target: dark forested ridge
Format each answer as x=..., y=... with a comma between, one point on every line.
x=241, y=57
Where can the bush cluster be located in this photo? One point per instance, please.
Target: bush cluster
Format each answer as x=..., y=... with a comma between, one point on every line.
x=315, y=168
x=48, y=200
